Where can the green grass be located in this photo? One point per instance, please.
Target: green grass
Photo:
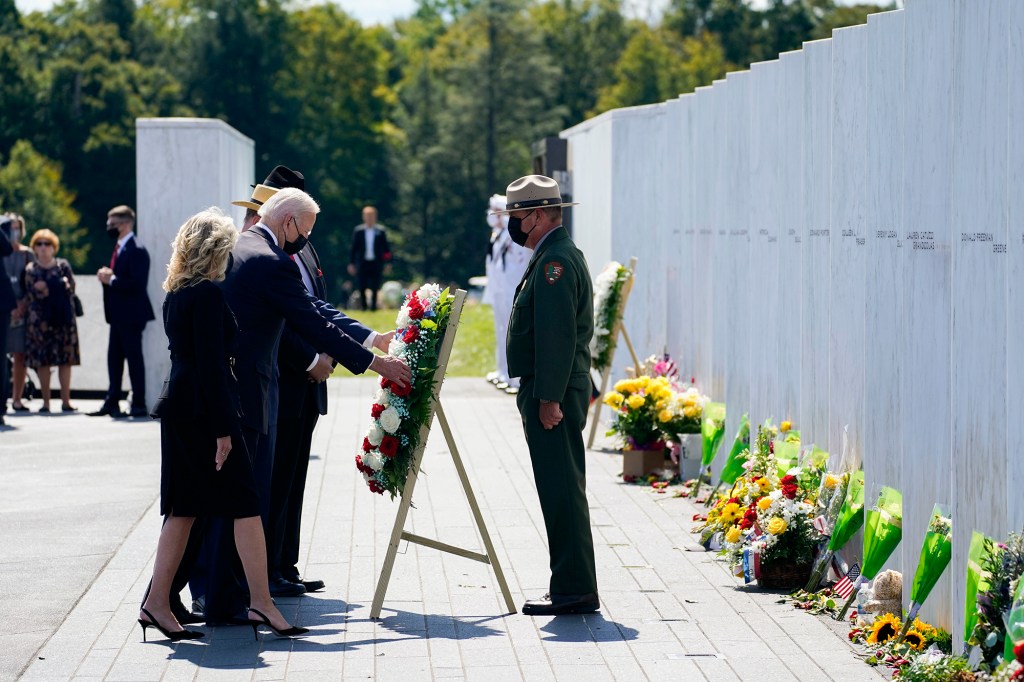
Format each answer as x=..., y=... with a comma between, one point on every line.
x=473, y=353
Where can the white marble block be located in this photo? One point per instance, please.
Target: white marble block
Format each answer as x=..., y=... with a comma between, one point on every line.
x=978, y=228
x=686, y=356
x=590, y=157
x=1015, y=289
x=925, y=251
x=817, y=274
x=183, y=166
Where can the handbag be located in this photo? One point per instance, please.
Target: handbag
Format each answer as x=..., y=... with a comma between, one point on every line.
x=77, y=304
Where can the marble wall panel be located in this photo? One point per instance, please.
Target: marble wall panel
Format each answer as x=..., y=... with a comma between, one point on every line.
x=183, y=165
x=817, y=276
x=848, y=242
x=789, y=229
x=672, y=202
x=926, y=254
x=979, y=235
x=702, y=265
x=1015, y=278
x=687, y=357
x=590, y=157
x=883, y=95
x=719, y=251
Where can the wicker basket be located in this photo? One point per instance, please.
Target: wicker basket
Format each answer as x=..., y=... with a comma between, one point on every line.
x=784, y=575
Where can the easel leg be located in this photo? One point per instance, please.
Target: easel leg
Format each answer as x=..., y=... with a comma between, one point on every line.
x=396, y=537
x=475, y=508
x=629, y=345
x=597, y=407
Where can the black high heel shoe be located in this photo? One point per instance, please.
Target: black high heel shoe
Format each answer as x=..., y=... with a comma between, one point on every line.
x=178, y=636
x=293, y=631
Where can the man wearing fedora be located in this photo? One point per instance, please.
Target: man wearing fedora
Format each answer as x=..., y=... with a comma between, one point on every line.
x=549, y=350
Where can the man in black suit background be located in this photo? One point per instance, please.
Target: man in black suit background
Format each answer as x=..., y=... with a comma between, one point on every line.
x=368, y=256
x=127, y=309
x=264, y=288
x=7, y=303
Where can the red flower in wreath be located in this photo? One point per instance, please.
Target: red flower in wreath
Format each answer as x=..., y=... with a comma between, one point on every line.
x=366, y=445
x=377, y=410
x=389, y=446
x=376, y=488
x=416, y=310
x=400, y=391
x=411, y=334
x=362, y=467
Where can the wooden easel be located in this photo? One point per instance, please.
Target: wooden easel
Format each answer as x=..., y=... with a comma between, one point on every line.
x=398, y=532
x=619, y=326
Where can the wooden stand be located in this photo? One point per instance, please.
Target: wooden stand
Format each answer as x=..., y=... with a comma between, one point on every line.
x=398, y=532
x=617, y=327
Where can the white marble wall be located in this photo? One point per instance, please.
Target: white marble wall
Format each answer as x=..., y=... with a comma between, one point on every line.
x=183, y=165
x=847, y=234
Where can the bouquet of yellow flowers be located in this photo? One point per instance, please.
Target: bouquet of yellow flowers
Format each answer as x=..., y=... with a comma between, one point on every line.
x=641, y=406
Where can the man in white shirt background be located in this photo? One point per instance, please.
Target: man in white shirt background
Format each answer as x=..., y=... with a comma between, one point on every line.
x=368, y=256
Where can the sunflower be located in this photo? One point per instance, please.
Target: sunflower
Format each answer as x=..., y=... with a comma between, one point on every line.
x=884, y=628
x=731, y=513
x=914, y=639
x=927, y=631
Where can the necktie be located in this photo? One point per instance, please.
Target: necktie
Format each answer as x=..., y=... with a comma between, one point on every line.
x=113, y=258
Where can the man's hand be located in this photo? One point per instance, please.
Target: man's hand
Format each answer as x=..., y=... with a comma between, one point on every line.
x=352, y=269
x=550, y=414
x=383, y=340
x=322, y=369
x=104, y=274
x=223, y=448
x=392, y=368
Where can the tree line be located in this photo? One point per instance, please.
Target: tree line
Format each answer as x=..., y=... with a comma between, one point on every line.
x=424, y=118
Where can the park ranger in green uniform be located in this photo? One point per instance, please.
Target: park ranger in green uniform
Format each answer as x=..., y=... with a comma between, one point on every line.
x=549, y=349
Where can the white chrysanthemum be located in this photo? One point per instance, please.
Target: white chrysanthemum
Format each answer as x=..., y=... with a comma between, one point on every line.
x=403, y=318
x=373, y=459
x=397, y=347
x=374, y=435
x=390, y=420
x=775, y=495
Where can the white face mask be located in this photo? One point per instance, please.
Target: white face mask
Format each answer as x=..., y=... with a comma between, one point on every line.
x=492, y=220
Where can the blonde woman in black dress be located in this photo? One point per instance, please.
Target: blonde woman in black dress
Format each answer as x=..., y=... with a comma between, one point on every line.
x=205, y=469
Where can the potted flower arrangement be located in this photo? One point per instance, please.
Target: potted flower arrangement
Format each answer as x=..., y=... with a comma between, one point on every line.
x=641, y=407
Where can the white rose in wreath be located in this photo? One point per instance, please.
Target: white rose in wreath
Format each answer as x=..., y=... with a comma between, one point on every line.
x=390, y=420
x=374, y=435
x=383, y=397
x=374, y=460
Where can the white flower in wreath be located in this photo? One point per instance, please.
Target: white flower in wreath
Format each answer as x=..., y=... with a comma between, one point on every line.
x=403, y=318
x=383, y=397
x=374, y=435
x=430, y=291
x=397, y=347
x=390, y=420
x=374, y=460
x=601, y=331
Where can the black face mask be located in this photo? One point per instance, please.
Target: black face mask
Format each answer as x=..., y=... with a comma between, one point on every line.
x=515, y=230
x=293, y=247
x=113, y=233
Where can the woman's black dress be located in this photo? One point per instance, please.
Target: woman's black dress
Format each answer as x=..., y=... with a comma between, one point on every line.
x=199, y=404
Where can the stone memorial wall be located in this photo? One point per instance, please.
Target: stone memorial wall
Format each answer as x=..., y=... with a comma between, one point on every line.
x=835, y=237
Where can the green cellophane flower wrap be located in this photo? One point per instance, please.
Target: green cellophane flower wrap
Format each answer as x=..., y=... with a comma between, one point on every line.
x=883, y=530
x=1014, y=621
x=851, y=515
x=733, y=468
x=787, y=455
x=935, y=555
x=977, y=582
x=712, y=429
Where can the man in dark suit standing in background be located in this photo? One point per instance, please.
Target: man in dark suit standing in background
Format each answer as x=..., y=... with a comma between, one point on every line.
x=7, y=304
x=127, y=309
x=368, y=256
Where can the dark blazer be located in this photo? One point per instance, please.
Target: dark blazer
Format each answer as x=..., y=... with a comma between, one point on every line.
x=381, y=250
x=7, y=298
x=125, y=300
x=202, y=337
x=264, y=289
x=295, y=354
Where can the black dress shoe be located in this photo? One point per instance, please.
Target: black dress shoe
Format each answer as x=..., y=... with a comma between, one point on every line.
x=310, y=585
x=279, y=587
x=562, y=604
x=107, y=410
x=138, y=412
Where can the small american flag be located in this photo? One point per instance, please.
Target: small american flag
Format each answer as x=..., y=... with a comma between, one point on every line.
x=844, y=588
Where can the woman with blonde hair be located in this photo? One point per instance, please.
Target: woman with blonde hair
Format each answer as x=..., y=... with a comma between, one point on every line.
x=205, y=469
x=51, y=333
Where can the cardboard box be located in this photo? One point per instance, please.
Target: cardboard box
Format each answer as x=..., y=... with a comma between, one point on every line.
x=642, y=462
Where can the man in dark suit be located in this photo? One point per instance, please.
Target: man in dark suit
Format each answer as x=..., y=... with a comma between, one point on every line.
x=127, y=309
x=7, y=303
x=368, y=256
x=264, y=289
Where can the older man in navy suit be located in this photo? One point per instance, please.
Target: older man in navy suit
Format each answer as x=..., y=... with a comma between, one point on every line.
x=127, y=310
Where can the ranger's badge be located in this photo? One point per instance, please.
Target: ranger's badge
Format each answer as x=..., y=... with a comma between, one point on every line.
x=552, y=271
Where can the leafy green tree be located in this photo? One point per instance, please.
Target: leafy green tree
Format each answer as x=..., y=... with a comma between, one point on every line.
x=30, y=184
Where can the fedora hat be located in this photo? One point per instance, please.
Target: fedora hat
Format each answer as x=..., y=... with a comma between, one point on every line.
x=533, y=191
x=279, y=178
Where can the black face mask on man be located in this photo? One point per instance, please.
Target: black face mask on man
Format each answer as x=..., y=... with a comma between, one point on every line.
x=113, y=232
x=515, y=230
x=293, y=247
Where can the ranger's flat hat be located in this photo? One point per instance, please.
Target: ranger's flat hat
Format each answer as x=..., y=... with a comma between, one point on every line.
x=533, y=191
x=279, y=178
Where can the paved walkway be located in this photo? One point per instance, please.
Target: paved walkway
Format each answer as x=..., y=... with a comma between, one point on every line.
x=669, y=611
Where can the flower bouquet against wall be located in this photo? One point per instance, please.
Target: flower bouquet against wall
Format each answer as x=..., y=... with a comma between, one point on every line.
x=682, y=412
x=607, y=302
x=639, y=404
x=935, y=556
x=712, y=430
x=1002, y=566
x=733, y=467
x=398, y=414
x=883, y=530
x=830, y=502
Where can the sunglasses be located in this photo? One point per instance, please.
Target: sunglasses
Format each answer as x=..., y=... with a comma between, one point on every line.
x=44, y=244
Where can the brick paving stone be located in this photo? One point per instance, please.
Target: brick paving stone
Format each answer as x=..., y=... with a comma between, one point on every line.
x=669, y=610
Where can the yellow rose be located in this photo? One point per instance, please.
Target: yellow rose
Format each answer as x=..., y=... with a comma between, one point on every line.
x=624, y=386
x=664, y=416
x=734, y=534
x=689, y=411
x=777, y=526
x=785, y=426
x=643, y=381
x=661, y=405
x=635, y=402
x=764, y=503
x=690, y=401
x=831, y=481
x=614, y=399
